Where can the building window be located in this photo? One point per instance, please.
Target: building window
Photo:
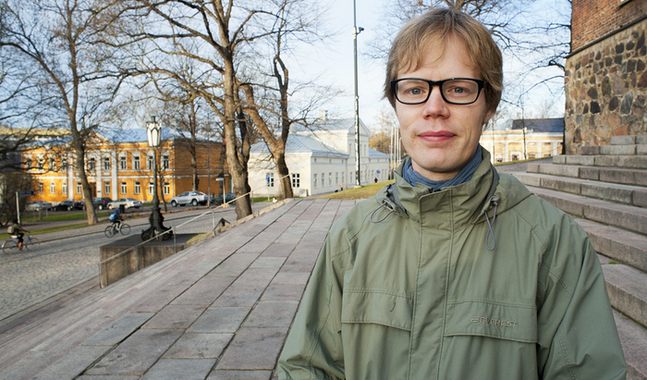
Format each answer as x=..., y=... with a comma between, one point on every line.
x=296, y=180
x=323, y=179
x=138, y=188
x=167, y=188
x=40, y=187
x=124, y=188
x=122, y=162
x=106, y=164
x=337, y=178
x=41, y=163
x=149, y=162
x=136, y=163
x=314, y=181
x=27, y=163
x=106, y=188
x=64, y=187
x=52, y=164
x=64, y=164
x=165, y=162
x=79, y=188
x=52, y=187
x=269, y=177
x=329, y=179
x=91, y=164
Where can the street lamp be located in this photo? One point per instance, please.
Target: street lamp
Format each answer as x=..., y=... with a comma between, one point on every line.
x=356, y=31
x=154, y=133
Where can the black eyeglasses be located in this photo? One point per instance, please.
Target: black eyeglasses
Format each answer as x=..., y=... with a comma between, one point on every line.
x=453, y=90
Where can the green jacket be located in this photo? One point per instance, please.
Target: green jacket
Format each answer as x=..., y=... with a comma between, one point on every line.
x=405, y=287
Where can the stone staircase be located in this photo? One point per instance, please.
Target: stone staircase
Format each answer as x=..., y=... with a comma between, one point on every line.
x=605, y=189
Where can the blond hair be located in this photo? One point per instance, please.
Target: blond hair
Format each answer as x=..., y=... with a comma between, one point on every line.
x=440, y=25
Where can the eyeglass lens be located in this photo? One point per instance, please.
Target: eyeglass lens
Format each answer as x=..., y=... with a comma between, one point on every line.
x=456, y=91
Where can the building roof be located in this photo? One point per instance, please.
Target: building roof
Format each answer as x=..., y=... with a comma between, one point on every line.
x=376, y=154
x=333, y=125
x=302, y=144
x=139, y=134
x=540, y=125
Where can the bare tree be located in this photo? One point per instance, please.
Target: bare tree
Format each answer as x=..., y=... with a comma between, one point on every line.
x=206, y=47
x=207, y=36
x=77, y=73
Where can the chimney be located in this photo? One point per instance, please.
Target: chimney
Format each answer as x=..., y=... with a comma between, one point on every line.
x=323, y=115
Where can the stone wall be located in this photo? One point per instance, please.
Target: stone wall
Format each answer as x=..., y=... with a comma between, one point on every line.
x=606, y=87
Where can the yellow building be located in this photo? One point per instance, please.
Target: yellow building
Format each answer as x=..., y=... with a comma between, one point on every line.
x=121, y=166
x=542, y=138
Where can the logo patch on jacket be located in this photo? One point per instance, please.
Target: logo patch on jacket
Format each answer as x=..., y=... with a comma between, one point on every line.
x=492, y=321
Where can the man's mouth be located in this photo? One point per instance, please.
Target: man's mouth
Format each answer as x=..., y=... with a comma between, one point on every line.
x=439, y=136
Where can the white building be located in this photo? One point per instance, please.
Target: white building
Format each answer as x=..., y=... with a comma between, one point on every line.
x=320, y=160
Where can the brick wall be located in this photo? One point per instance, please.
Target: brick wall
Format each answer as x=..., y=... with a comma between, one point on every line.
x=593, y=19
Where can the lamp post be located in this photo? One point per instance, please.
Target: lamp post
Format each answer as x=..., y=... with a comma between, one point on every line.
x=356, y=31
x=154, y=132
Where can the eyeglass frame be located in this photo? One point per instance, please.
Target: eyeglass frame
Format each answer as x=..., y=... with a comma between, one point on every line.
x=439, y=83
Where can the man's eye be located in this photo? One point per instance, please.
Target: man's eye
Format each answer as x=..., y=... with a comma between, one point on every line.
x=456, y=90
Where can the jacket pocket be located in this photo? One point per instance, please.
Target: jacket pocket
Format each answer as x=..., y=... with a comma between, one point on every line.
x=374, y=306
x=492, y=319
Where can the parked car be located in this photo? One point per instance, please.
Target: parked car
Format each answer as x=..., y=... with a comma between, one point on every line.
x=68, y=206
x=127, y=202
x=217, y=200
x=38, y=205
x=190, y=197
x=99, y=202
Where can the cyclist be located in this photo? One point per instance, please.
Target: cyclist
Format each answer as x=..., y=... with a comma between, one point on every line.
x=17, y=232
x=115, y=219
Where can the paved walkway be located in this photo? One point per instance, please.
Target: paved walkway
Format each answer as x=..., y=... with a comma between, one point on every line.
x=219, y=310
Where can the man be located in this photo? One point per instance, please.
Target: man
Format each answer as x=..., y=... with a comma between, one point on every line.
x=16, y=230
x=115, y=218
x=454, y=271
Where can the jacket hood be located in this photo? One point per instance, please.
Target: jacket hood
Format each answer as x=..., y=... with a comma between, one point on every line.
x=468, y=202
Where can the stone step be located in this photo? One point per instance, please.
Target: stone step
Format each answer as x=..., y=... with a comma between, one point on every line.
x=633, y=338
x=628, y=140
x=632, y=161
x=635, y=177
x=623, y=149
x=627, y=288
x=623, y=216
x=624, y=246
x=625, y=194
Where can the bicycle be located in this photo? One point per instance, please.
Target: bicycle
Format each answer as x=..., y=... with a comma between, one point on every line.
x=112, y=229
x=11, y=244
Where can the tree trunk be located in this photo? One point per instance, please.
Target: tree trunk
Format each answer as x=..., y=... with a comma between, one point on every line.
x=236, y=158
x=284, y=175
x=87, y=192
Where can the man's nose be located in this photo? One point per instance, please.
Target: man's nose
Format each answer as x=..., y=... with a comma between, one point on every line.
x=435, y=105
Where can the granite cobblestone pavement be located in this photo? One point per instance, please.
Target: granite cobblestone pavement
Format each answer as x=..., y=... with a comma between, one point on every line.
x=219, y=310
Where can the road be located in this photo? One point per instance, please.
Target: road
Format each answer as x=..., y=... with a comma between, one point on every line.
x=67, y=258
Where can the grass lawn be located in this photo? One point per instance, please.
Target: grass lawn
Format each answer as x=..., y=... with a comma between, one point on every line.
x=59, y=216
x=359, y=193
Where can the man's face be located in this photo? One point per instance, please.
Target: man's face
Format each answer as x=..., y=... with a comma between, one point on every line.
x=440, y=137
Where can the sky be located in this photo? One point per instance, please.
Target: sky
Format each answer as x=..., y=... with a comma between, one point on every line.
x=332, y=63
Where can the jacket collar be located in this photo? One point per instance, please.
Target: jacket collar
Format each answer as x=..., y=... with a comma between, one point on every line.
x=461, y=204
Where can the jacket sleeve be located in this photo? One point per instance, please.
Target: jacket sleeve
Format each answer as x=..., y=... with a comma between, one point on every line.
x=577, y=335
x=313, y=349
